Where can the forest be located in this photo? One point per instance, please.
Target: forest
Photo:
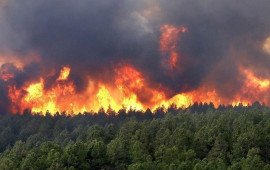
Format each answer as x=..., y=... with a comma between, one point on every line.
x=198, y=137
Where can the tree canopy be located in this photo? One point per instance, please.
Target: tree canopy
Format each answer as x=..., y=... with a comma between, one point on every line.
x=200, y=137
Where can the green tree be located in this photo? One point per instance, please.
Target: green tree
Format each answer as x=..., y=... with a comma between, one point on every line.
x=75, y=156
x=96, y=155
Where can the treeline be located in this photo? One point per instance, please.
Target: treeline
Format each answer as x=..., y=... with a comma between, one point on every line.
x=199, y=137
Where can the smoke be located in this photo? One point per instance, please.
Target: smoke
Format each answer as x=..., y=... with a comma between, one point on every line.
x=93, y=36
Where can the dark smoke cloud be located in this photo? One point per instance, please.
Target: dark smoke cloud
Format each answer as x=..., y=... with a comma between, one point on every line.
x=219, y=32
x=90, y=35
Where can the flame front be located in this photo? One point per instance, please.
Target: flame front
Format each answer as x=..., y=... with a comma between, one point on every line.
x=129, y=84
x=129, y=88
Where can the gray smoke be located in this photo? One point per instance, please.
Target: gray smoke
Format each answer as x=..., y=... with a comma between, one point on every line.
x=91, y=36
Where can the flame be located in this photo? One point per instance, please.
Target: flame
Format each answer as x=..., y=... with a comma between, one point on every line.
x=254, y=89
x=255, y=81
x=266, y=45
x=34, y=91
x=5, y=75
x=168, y=42
x=129, y=87
x=129, y=90
x=18, y=61
x=64, y=73
x=129, y=83
x=128, y=79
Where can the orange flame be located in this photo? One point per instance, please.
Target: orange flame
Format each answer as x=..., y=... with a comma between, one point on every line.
x=5, y=75
x=128, y=89
x=64, y=73
x=128, y=85
x=168, y=40
x=254, y=81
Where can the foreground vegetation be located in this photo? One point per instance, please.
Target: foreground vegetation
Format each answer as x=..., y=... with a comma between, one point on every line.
x=200, y=137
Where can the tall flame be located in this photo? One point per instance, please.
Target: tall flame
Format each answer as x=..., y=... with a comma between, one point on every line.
x=129, y=88
x=128, y=85
x=168, y=41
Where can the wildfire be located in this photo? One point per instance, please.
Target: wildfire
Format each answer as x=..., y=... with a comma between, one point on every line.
x=34, y=91
x=64, y=73
x=129, y=88
x=127, y=78
x=129, y=84
x=255, y=81
x=129, y=91
x=266, y=45
x=168, y=42
x=5, y=75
